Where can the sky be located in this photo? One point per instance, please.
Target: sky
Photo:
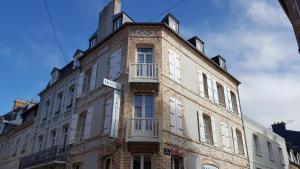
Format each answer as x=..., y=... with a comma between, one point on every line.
x=255, y=37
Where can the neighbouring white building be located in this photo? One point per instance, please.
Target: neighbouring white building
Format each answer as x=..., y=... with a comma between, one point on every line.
x=266, y=149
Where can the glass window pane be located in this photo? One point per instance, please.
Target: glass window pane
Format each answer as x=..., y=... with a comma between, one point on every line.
x=136, y=162
x=147, y=162
x=149, y=106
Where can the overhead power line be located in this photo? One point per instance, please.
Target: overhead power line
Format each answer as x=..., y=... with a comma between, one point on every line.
x=54, y=31
x=167, y=10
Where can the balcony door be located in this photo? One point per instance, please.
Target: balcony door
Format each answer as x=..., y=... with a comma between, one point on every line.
x=144, y=62
x=143, y=115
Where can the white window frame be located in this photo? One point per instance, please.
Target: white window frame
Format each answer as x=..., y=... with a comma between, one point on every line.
x=257, y=146
x=142, y=159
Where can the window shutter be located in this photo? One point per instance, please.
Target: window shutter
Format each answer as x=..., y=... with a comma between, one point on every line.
x=93, y=77
x=225, y=137
x=210, y=89
x=173, y=114
x=107, y=116
x=79, y=85
x=226, y=98
x=193, y=161
x=229, y=99
x=179, y=117
x=201, y=85
x=177, y=68
x=88, y=123
x=215, y=91
x=73, y=128
x=201, y=126
x=244, y=143
x=171, y=64
x=238, y=104
x=235, y=142
x=214, y=131
x=115, y=65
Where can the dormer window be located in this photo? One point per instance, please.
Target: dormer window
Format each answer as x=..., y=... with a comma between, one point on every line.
x=172, y=22
x=173, y=25
x=54, y=75
x=117, y=23
x=93, y=42
x=196, y=42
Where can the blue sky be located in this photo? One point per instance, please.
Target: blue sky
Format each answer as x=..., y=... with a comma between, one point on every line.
x=254, y=36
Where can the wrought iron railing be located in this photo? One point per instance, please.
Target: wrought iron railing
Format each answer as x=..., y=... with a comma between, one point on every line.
x=57, y=153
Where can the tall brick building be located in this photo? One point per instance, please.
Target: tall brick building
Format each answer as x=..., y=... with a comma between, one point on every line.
x=292, y=10
x=177, y=108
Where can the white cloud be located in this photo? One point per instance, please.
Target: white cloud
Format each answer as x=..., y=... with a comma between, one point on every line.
x=259, y=45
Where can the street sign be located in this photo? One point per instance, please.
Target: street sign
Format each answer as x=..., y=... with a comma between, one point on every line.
x=111, y=84
x=115, y=114
x=167, y=151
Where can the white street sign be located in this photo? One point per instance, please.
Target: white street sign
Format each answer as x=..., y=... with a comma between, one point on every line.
x=115, y=114
x=111, y=84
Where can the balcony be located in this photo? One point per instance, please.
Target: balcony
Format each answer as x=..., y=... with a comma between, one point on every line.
x=144, y=77
x=54, y=156
x=144, y=73
x=142, y=130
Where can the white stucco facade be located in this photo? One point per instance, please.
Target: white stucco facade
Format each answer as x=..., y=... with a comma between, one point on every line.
x=266, y=149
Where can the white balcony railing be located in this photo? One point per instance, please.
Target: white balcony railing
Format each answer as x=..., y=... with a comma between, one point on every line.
x=142, y=130
x=144, y=72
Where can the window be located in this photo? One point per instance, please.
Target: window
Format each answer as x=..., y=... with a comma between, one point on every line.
x=208, y=129
x=93, y=42
x=174, y=66
x=115, y=65
x=40, y=143
x=176, y=116
x=16, y=145
x=200, y=46
x=234, y=103
x=76, y=166
x=176, y=162
x=257, y=144
x=53, y=137
x=291, y=155
x=87, y=80
x=117, y=23
x=281, y=155
x=239, y=137
x=144, y=61
x=25, y=142
x=205, y=85
x=143, y=113
x=221, y=95
x=46, y=110
x=71, y=97
x=270, y=150
x=108, y=163
x=59, y=103
x=208, y=166
x=81, y=126
x=297, y=2
x=225, y=136
x=65, y=134
x=173, y=25
x=142, y=161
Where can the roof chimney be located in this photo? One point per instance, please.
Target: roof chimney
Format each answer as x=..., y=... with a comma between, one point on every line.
x=106, y=16
x=279, y=128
